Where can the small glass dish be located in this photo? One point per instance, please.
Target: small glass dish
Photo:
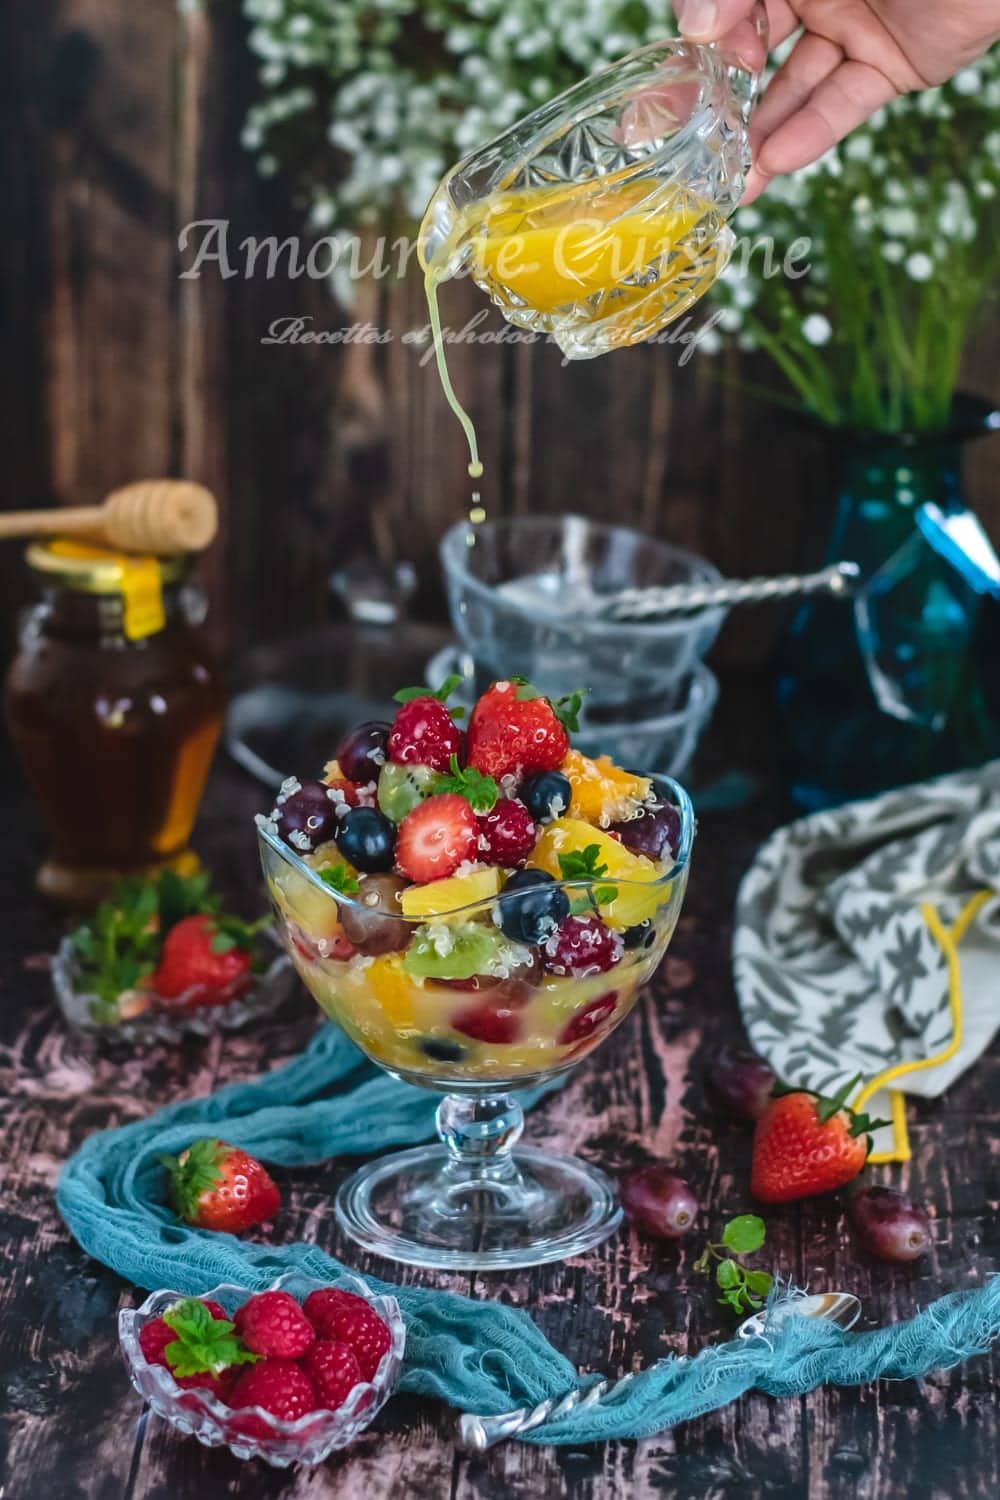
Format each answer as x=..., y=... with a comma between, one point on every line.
x=311, y=1438
x=666, y=739
x=147, y=1017
x=523, y=595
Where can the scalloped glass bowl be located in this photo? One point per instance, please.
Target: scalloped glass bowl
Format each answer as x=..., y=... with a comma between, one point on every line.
x=309, y=1440
x=473, y=1201
x=148, y=1018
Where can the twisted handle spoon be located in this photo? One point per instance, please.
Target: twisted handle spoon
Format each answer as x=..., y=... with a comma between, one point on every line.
x=642, y=604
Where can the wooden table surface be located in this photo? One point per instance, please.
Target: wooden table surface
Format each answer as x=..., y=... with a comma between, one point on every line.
x=73, y=1427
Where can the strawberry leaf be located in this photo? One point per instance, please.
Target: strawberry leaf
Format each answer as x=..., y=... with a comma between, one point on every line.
x=481, y=792
x=196, y=1171
x=444, y=692
x=567, y=711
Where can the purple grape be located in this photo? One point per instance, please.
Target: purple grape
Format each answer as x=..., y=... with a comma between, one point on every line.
x=380, y=927
x=658, y=1202
x=305, y=817
x=738, y=1083
x=362, y=752
x=655, y=832
x=889, y=1225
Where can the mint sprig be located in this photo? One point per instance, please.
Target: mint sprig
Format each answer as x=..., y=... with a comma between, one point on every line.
x=452, y=681
x=584, y=864
x=340, y=879
x=481, y=792
x=203, y=1344
x=743, y=1290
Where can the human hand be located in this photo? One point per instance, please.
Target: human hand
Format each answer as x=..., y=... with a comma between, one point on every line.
x=853, y=57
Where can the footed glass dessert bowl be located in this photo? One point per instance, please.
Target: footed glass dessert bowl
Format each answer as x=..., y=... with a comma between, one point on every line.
x=493, y=977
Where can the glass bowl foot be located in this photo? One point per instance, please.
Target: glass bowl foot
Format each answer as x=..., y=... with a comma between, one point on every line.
x=428, y=1207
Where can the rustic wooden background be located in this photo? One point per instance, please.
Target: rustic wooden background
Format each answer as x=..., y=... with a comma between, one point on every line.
x=119, y=123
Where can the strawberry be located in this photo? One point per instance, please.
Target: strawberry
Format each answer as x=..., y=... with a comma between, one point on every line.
x=424, y=734
x=155, y=1335
x=274, y=1324
x=581, y=1027
x=514, y=731
x=217, y=1186
x=281, y=1387
x=199, y=956
x=348, y=1319
x=334, y=1371
x=806, y=1144
x=495, y=1020
x=436, y=837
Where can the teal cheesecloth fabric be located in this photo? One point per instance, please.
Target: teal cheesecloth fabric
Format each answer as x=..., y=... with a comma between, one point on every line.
x=477, y=1356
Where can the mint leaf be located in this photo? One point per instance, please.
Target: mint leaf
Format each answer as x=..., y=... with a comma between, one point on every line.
x=744, y=1234
x=727, y=1274
x=340, y=879
x=481, y=792
x=203, y=1343
x=582, y=864
x=605, y=894
x=759, y=1282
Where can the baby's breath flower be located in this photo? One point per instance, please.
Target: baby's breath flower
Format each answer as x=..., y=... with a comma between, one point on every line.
x=817, y=330
x=919, y=267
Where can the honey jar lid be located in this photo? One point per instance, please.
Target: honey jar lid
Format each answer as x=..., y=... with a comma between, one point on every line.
x=100, y=570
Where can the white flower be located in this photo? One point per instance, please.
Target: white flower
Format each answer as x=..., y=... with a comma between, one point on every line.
x=899, y=222
x=817, y=330
x=966, y=82
x=858, y=147
x=893, y=252
x=919, y=267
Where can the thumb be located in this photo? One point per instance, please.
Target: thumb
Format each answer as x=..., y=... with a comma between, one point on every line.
x=708, y=20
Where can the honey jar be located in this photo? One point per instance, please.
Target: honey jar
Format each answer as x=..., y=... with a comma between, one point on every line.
x=114, y=705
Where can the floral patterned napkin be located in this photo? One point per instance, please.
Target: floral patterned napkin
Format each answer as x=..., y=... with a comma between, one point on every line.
x=868, y=941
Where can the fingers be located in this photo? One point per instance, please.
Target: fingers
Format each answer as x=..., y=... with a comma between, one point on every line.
x=711, y=20
x=812, y=60
x=849, y=95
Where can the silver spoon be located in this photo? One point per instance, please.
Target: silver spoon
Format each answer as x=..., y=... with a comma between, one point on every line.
x=642, y=604
x=476, y=1434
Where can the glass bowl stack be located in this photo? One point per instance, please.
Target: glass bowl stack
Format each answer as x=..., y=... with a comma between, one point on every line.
x=524, y=596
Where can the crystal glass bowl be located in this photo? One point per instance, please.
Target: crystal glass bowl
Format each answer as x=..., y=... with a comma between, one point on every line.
x=523, y=595
x=602, y=216
x=311, y=1438
x=474, y=1201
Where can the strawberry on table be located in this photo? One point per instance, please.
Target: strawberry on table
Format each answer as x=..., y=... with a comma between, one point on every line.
x=806, y=1144
x=514, y=731
x=217, y=1186
x=201, y=955
x=436, y=837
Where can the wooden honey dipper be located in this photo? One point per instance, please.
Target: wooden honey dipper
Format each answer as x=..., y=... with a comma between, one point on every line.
x=153, y=515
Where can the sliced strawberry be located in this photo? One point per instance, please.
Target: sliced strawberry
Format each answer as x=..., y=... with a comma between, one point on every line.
x=197, y=957
x=436, y=837
x=514, y=731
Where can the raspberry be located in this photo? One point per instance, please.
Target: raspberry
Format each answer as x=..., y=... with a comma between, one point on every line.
x=334, y=1370
x=322, y=1307
x=424, y=734
x=220, y=1385
x=497, y=1019
x=274, y=1324
x=154, y=1337
x=582, y=946
x=350, y=1320
x=215, y=1308
x=281, y=1387
x=506, y=834
x=581, y=1027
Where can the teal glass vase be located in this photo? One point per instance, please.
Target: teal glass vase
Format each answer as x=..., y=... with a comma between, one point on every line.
x=915, y=693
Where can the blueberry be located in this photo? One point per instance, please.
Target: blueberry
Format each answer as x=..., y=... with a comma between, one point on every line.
x=531, y=906
x=441, y=1051
x=546, y=795
x=367, y=840
x=635, y=937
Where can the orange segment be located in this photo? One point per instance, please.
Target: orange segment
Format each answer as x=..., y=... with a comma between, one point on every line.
x=394, y=991
x=602, y=792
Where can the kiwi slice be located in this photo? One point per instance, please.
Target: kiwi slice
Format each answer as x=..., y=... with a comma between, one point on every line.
x=453, y=950
x=402, y=788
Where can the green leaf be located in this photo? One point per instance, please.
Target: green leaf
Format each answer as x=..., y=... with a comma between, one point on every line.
x=582, y=864
x=222, y=943
x=526, y=691
x=727, y=1274
x=196, y=1171
x=340, y=879
x=733, y=1298
x=605, y=894
x=203, y=1344
x=481, y=792
x=759, y=1282
x=444, y=692
x=744, y=1234
x=567, y=711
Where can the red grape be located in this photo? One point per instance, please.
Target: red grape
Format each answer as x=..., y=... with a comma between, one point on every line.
x=305, y=817
x=380, y=927
x=658, y=1202
x=738, y=1083
x=655, y=832
x=889, y=1225
x=363, y=752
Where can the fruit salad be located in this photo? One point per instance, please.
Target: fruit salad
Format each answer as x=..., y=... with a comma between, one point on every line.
x=476, y=904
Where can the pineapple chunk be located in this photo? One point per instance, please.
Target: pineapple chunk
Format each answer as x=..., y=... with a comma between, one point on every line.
x=602, y=792
x=441, y=898
x=630, y=905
